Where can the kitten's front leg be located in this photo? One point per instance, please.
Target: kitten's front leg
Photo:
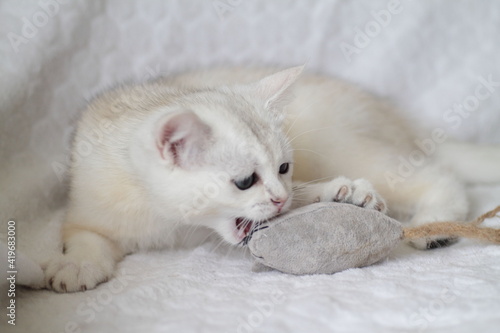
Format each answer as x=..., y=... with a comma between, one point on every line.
x=359, y=192
x=89, y=258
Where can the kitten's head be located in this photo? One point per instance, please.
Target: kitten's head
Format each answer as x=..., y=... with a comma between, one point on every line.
x=223, y=158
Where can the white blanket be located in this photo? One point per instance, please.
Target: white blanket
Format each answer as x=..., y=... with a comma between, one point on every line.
x=429, y=58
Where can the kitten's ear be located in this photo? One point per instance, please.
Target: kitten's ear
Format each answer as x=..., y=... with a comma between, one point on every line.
x=181, y=138
x=273, y=89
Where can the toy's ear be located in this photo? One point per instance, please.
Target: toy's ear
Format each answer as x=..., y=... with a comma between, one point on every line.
x=181, y=138
x=274, y=90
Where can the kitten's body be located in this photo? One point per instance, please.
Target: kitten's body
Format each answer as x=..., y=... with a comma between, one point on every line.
x=169, y=154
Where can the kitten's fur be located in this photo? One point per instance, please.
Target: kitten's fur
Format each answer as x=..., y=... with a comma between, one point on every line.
x=154, y=158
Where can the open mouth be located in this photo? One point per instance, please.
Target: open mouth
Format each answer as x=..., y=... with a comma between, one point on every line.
x=243, y=227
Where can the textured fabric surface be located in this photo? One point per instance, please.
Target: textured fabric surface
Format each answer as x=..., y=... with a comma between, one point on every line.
x=325, y=238
x=428, y=57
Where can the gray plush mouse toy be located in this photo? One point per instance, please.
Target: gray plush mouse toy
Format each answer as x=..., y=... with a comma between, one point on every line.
x=325, y=238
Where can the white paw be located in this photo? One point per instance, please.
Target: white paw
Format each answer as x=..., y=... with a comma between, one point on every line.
x=68, y=274
x=359, y=192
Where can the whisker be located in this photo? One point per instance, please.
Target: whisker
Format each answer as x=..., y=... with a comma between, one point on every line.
x=309, y=131
x=221, y=242
x=301, y=200
x=311, y=151
x=259, y=226
x=307, y=108
x=298, y=185
x=190, y=232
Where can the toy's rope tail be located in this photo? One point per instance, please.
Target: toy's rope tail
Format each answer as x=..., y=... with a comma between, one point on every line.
x=457, y=229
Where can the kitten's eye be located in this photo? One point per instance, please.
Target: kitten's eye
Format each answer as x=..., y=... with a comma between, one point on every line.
x=246, y=183
x=284, y=168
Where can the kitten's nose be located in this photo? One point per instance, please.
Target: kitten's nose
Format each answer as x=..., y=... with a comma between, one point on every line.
x=279, y=202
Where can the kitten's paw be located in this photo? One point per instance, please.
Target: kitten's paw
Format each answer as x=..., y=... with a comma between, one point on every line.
x=68, y=274
x=432, y=243
x=359, y=192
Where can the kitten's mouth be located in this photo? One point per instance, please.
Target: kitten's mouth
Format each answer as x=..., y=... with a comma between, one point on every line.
x=243, y=227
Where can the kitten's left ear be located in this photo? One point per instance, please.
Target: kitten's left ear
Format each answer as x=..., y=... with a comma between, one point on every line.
x=274, y=89
x=182, y=138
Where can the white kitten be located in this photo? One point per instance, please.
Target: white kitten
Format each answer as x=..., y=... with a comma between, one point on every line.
x=214, y=149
